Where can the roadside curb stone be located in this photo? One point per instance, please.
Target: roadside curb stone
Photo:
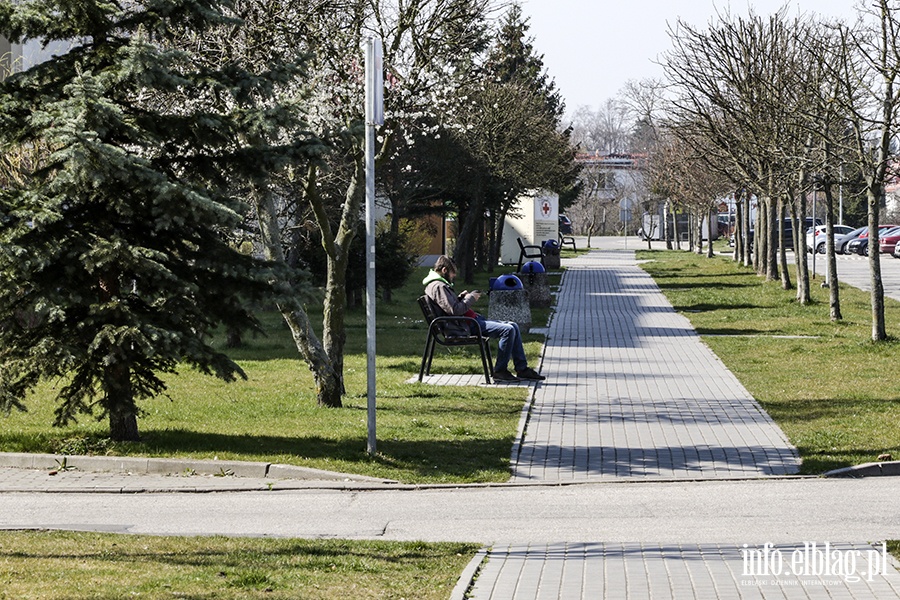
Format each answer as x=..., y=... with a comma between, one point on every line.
x=173, y=466
x=874, y=469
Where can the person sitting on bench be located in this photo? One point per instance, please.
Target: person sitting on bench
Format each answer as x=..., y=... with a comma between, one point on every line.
x=439, y=289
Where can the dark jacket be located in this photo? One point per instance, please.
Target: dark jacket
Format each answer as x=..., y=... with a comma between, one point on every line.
x=440, y=292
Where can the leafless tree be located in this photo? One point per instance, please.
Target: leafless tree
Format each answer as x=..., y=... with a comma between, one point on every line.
x=422, y=42
x=605, y=130
x=869, y=96
x=744, y=90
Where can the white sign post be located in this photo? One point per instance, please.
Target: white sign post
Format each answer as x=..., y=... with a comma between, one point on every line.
x=374, y=116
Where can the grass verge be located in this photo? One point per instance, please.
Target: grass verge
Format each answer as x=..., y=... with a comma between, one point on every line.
x=71, y=565
x=832, y=390
x=426, y=434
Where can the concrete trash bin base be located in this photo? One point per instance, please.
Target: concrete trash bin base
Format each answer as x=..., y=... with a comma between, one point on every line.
x=538, y=290
x=508, y=301
x=534, y=280
x=550, y=260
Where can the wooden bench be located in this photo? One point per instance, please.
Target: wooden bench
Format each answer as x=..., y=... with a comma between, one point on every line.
x=527, y=253
x=437, y=327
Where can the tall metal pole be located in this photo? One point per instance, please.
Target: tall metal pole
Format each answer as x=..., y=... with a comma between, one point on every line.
x=374, y=116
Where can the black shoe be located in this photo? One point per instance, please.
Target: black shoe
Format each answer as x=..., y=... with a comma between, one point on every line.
x=530, y=374
x=504, y=375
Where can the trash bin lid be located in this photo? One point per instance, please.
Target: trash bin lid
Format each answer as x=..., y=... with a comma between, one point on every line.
x=532, y=266
x=506, y=282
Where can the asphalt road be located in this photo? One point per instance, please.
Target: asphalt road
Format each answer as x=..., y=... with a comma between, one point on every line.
x=854, y=270
x=770, y=510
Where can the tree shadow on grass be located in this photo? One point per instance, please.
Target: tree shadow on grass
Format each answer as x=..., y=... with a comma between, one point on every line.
x=833, y=443
x=710, y=285
x=728, y=332
x=466, y=458
x=832, y=408
x=236, y=554
x=707, y=307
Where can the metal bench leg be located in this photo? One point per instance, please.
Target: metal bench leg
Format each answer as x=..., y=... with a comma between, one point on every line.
x=431, y=350
x=426, y=357
x=483, y=346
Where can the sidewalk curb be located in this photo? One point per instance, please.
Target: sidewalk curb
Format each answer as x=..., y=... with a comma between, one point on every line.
x=175, y=466
x=875, y=469
x=525, y=414
x=467, y=577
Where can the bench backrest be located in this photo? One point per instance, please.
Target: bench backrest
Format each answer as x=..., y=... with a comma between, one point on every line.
x=427, y=309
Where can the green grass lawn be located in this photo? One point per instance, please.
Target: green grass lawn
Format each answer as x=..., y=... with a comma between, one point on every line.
x=425, y=433
x=833, y=391
x=71, y=565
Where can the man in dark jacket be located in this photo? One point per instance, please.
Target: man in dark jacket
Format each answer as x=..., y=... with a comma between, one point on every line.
x=439, y=289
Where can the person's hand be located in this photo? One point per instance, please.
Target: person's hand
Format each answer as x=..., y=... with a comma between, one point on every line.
x=476, y=295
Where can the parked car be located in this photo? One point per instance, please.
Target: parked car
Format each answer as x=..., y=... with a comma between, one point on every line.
x=821, y=237
x=888, y=239
x=788, y=232
x=861, y=244
x=845, y=240
x=565, y=225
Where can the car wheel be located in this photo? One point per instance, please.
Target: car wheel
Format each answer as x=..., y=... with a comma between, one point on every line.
x=866, y=250
x=821, y=248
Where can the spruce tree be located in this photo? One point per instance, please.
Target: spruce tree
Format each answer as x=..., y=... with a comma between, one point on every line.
x=114, y=252
x=513, y=59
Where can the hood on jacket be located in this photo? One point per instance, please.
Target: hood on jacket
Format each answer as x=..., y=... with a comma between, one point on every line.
x=434, y=276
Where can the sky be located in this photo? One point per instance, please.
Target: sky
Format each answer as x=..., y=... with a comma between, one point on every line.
x=592, y=48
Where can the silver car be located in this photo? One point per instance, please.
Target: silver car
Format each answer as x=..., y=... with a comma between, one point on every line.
x=842, y=235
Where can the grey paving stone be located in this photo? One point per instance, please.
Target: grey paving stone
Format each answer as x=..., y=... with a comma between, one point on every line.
x=633, y=391
x=679, y=571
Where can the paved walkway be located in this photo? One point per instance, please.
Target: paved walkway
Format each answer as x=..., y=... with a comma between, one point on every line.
x=633, y=392
x=592, y=571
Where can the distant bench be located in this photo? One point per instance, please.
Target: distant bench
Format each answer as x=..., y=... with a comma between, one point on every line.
x=527, y=253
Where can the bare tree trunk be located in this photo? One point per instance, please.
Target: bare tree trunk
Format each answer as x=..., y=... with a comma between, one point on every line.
x=675, y=233
x=118, y=393
x=748, y=250
x=480, y=243
x=879, y=333
x=798, y=216
x=761, y=237
x=772, y=235
x=698, y=228
x=497, y=239
x=466, y=240
x=712, y=217
x=667, y=232
x=328, y=381
x=737, y=228
x=782, y=250
x=119, y=399
x=834, y=300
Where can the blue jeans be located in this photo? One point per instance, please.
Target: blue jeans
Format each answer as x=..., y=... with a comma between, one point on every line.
x=510, y=342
